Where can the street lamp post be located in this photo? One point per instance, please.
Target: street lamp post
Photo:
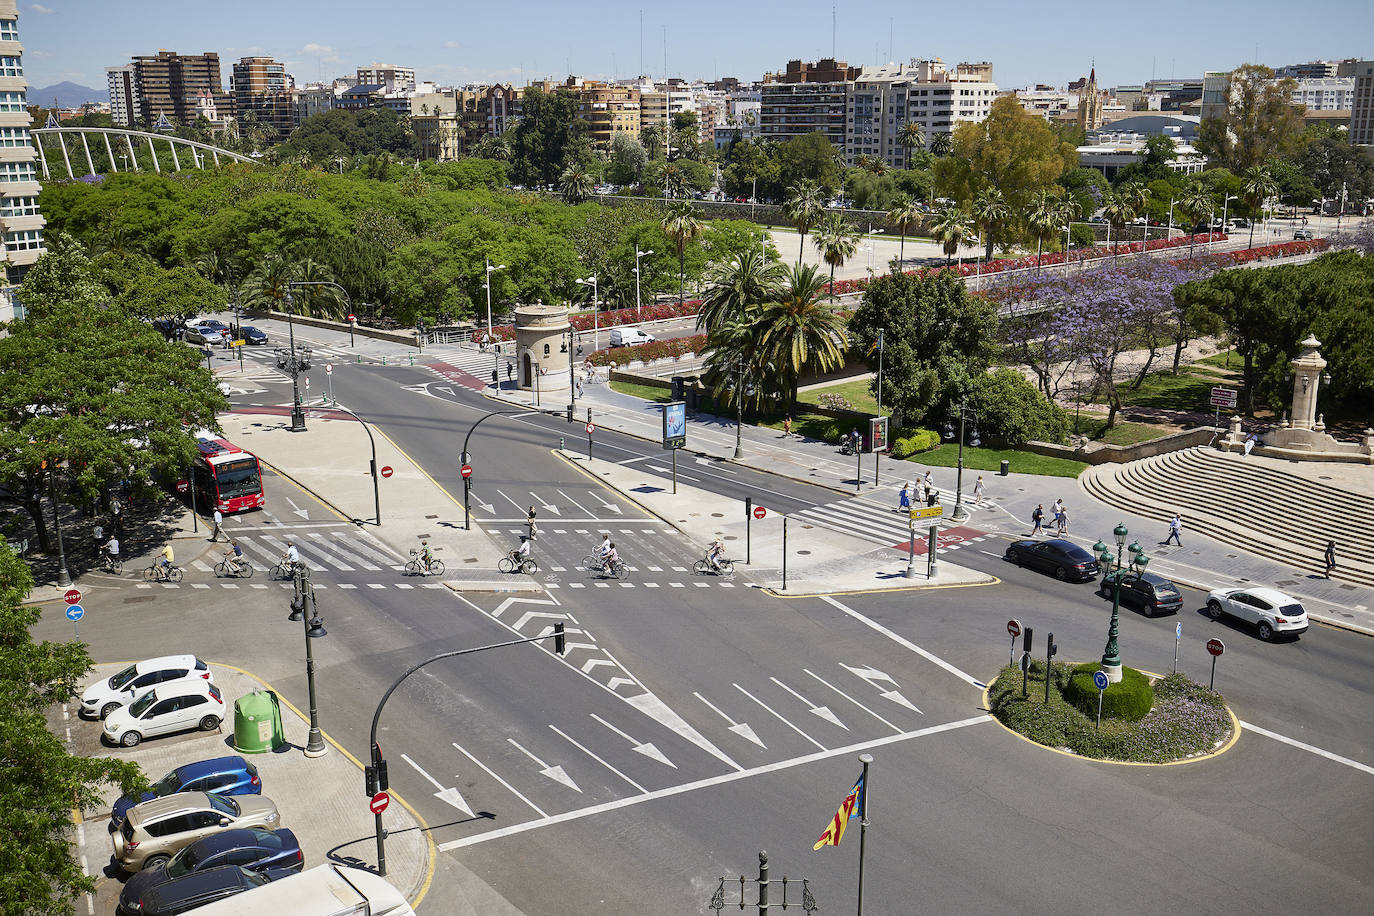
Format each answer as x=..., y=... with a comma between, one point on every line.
x=639, y=314
x=1224, y=204
x=490, y=271
x=596, y=308
x=739, y=408
x=376, y=489
x=964, y=414
x=570, y=349
x=294, y=365
x=1111, y=655
x=304, y=600
x=64, y=578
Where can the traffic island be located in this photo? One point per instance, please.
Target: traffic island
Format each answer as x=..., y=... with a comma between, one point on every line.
x=1146, y=719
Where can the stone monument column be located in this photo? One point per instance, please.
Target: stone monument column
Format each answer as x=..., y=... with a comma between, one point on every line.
x=541, y=350
x=1307, y=373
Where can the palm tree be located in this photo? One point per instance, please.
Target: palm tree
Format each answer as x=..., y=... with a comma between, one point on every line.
x=269, y=283
x=942, y=144
x=682, y=226
x=798, y=332
x=491, y=147
x=321, y=301
x=652, y=139
x=804, y=206
x=743, y=283
x=674, y=180
x=1195, y=202
x=1066, y=212
x=990, y=211
x=904, y=213
x=910, y=136
x=950, y=227
x=837, y=241
x=1259, y=186
x=1042, y=216
x=1118, y=209
x=736, y=353
x=575, y=184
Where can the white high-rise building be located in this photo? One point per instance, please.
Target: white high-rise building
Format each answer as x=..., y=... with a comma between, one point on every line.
x=20, y=221
x=123, y=94
x=1325, y=94
x=882, y=99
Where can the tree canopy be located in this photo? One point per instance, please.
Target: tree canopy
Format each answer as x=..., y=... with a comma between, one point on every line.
x=1259, y=123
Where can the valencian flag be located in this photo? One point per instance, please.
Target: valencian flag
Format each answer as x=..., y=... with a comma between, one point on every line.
x=853, y=806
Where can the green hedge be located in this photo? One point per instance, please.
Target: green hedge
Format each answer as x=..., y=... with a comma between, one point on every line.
x=1130, y=699
x=908, y=442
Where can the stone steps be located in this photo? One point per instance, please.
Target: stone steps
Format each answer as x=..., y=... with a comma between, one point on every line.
x=1245, y=504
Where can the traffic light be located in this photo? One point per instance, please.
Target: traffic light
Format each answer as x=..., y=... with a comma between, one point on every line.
x=375, y=773
x=560, y=642
x=1026, y=640
x=1052, y=649
x=570, y=411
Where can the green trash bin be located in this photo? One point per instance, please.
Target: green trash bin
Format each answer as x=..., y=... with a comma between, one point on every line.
x=257, y=723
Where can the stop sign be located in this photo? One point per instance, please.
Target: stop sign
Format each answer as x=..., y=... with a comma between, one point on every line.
x=466, y=471
x=1014, y=627
x=379, y=802
x=386, y=471
x=760, y=512
x=591, y=428
x=1216, y=646
x=72, y=596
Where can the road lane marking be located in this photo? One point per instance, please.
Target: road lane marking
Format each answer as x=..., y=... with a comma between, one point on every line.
x=513, y=790
x=906, y=643
x=851, y=699
x=781, y=718
x=708, y=782
x=584, y=750
x=1354, y=764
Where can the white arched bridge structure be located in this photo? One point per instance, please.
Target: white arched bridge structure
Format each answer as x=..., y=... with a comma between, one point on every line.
x=126, y=147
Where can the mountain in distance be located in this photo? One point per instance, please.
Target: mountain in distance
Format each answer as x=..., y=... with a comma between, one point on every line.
x=68, y=94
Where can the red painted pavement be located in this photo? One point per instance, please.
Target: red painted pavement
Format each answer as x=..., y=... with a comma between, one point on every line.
x=456, y=375
x=945, y=538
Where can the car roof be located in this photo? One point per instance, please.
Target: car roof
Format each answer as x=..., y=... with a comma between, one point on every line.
x=240, y=838
x=186, y=687
x=1272, y=595
x=165, y=661
x=230, y=763
x=157, y=808
x=195, y=883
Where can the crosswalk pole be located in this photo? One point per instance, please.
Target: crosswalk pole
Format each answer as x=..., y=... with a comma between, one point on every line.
x=911, y=551
x=748, y=526
x=930, y=563
x=784, y=553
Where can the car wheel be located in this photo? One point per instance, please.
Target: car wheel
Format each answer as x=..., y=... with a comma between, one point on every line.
x=153, y=862
x=209, y=723
x=1214, y=608
x=130, y=739
x=107, y=709
x=1266, y=631
x=1061, y=573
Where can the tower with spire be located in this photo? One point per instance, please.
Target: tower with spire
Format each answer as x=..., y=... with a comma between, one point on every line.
x=1090, y=103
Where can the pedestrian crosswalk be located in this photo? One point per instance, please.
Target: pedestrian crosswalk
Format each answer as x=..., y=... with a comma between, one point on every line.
x=323, y=546
x=865, y=518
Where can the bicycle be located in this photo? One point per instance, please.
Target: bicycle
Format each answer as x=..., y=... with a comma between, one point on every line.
x=112, y=564
x=283, y=570
x=527, y=565
x=616, y=569
x=155, y=573
x=725, y=567
x=420, y=567
x=243, y=570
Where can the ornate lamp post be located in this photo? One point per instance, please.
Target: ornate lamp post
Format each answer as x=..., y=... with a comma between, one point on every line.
x=1111, y=655
x=596, y=307
x=487, y=286
x=964, y=413
x=314, y=629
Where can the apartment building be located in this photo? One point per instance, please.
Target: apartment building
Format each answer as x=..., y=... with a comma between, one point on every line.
x=167, y=85
x=20, y=221
x=394, y=79
x=123, y=86
x=262, y=85
x=1312, y=70
x=439, y=134
x=609, y=109
x=315, y=98
x=658, y=103
x=880, y=100
x=805, y=98
x=1362, y=105
x=1325, y=93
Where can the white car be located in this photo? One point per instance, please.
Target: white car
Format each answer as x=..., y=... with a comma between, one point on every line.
x=175, y=707
x=108, y=694
x=1270, y=610
x=629, y=337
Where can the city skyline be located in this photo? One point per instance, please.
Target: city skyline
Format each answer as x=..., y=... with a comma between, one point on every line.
x=75, y=40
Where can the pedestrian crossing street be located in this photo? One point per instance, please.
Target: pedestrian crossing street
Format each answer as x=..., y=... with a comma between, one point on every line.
x=881, y=524
x=323, y=546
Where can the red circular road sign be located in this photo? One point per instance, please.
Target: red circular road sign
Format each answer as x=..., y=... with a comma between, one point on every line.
x=1216, y=646
x=760, y=512
x=183, y=486
x=72, y=596
x=351, y=317
x=591, y=428
x=386, y=471
x=379, y=803
x=466, y=471
x=1014, y=627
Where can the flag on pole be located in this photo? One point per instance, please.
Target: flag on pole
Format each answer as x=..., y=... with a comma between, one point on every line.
x=852, y=806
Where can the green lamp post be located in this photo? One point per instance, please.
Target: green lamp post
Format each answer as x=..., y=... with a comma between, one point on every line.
x=1116, y=567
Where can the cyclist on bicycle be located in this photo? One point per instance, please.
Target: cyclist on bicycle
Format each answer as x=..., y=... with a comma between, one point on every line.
x=522, y=553
x=715, y=553
x=605, y=546
x=426, y=555
x=293, y=556
x=110, y=549
x=165, y=562
x=232, y=557
x=611, y=559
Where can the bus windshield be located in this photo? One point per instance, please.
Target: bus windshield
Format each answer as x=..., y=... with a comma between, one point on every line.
x=238, y=478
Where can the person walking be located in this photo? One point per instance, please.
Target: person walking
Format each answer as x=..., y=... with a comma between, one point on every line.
x=1063, y=520
x=510, y=371
x=534, y=529
x=978, y=491
x=1056, y=508
x=1038, y=517
x=216, y=522
x=930, y=482
x=1250, y=443
x=932, y=496
x=1330, y=557
x=904, y=498
x=1175, y=529
x=787, y=427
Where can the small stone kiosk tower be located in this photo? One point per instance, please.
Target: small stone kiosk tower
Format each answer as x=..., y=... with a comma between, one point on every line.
x=1307, y=375
x=541, y=354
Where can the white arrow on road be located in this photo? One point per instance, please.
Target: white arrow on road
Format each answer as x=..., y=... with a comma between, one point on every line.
x=450, y=795
x=874, y=676
x=303, y=513
x=574, y=502
x=556, y=773
x=645, y=747
x=822, y=711
x=484, y=506
x=611, y=507
x=445, y=388
x=658, y=470
x=549, y=507
x=740, y=728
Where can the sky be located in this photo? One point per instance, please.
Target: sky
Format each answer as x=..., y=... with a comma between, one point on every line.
x=457, y=43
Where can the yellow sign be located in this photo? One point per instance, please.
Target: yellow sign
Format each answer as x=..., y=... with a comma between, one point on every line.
x=927, y=512
x=236, y=343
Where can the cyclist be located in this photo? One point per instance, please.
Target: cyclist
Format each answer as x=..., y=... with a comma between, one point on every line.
x=611, y=559
x=715, y=553
x=605, y=546
x=522, y=553
x=165, y=563
x=293, y=556
x=110, y=550
x=232, y=557
x=426, y=555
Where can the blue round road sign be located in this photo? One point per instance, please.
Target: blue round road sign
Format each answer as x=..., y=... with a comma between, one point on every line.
x=75, y=612
x=1100, y=679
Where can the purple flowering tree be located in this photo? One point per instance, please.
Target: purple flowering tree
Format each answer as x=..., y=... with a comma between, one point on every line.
x=1035, y=317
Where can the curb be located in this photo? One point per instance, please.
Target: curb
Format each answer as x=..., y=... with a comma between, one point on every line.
x=986, y=580
x=493, y=586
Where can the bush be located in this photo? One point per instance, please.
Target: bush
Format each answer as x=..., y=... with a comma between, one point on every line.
x=1011, y=411
x=908, y=442
x=1130, y=699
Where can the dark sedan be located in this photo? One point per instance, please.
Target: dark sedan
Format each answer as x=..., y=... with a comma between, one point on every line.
x=1150, y=593
x=252, y=335
x=252, y=848
x=197, y=889
x=1063, y=558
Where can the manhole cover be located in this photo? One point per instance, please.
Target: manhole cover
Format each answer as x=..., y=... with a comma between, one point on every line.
x=1322, y=477
x=431, y=516
x=1285, y=582
x=469, y=559
x=808, y=527
x=803, y=553
x=717, y=515
x=732, y=537
x=137, y=599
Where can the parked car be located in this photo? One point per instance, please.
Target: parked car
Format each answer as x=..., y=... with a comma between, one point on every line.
x=1240, y=222
x=197, y=889
x=628, y=337
x=174, y=707
x=230, y=775
x=205, y=332
x=157, y=830
x=1063, y=558
x=1303, y=234
x=252, y=335
x=335, y=890
x=252, y=848
x=1270, y=610
x=1149, y=592
x=108, y=694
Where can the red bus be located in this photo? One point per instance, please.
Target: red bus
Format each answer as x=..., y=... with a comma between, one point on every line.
x=225, y=476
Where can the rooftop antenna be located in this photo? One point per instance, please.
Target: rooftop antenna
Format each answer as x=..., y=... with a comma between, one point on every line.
x=832, y=32
x=665, y=54
x=889, y=38
x=641, y=42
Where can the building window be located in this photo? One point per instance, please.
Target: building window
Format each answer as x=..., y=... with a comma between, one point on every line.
x=11, y=207
x=14, y=136
x=9, y=30
x=17, y=171
x=28, y=240
x=12, y=101
x=11, y=66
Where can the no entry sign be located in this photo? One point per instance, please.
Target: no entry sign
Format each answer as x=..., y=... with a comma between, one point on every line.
x=379, y=802
x=466, y=471
x=351, y=317
x=72, y=596
x=1014, y=627
x=1216, y=646
x=386, y=471
x=760, y=512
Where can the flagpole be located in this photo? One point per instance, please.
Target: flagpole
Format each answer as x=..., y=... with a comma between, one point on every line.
x=865, y=759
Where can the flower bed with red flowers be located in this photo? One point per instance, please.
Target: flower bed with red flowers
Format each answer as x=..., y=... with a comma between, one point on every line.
x=671, y=348
x=614, y=317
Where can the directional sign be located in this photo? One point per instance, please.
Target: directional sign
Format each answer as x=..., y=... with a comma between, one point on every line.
x=1100, y=679
x=1223, y=397
x=1178, y=630
x=379, y=802
x=386, y=471
x=760, y=512
x=591, y=428
x=1216, y=646
x=1014, y=627
x=75, y=613
x=466, y=471
x=927, y=512
x=72, y=596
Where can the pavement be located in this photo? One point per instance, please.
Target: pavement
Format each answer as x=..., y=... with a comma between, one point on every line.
x=319, y=798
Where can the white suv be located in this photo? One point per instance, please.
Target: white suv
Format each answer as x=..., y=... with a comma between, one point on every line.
x=108, y=694
x=177, y=707
x=1270, y=610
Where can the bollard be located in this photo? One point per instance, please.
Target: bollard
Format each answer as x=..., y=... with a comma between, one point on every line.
x=412, y=359
x=560, y=443
x=383, y=359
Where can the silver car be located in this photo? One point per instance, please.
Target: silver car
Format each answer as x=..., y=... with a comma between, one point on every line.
x=156, y=830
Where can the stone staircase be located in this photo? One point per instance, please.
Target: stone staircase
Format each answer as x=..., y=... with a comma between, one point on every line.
x=1247, y=504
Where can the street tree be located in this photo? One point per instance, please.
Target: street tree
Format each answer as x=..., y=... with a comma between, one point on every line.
x=737, y=286
x=812, y=157
x=1031, y=328
x=799, y=334
x=1259, y=123
x=1011, y=411
x=1195, y=203
x=941, y=145
x=904, y=213
x=1259, y=186
x=575, y=185
x=804, y=206
x=626, y=161
x=951, y=227
x=540, y=139
x=910, y=137
x=651, y=137
x=836, y=240
x=682, y=227
x=990, y=213
x=1334, y=165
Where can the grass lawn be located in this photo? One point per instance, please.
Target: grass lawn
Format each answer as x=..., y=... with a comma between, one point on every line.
x=811, y=425
x=1218, y=360
x=856, y=392
x=647, y=392
x=1121, y=434
x=990, y=459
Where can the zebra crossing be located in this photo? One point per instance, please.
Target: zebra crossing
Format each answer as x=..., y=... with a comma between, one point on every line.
x=323, y=546
x=880, y=524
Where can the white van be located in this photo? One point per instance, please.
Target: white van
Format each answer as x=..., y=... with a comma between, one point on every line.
x=628, y=337
x=325, y=890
